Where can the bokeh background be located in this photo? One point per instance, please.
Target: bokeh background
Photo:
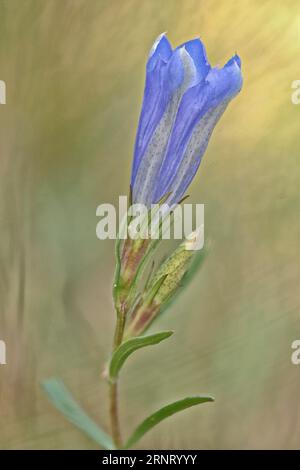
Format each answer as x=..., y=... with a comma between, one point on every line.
x=74, y=71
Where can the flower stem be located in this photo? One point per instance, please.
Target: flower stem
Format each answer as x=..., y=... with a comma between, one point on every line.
x=114, y=414
x=113, y=386
x=119, y=331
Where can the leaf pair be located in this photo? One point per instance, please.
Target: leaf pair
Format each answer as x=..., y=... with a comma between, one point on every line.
x=62, y=399
x=66, y=404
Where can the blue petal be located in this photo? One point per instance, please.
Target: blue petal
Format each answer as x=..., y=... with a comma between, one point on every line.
x=181, y=75
x=161, y=49
x=194, y=152
x=163, y=75
x=197, y=51
x=157, y=117
x=235, y=59
x=200, y=109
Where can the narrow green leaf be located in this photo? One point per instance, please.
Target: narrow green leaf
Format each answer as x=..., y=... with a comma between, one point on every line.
x=164, y=413
x=62, y=399
x=131, y=345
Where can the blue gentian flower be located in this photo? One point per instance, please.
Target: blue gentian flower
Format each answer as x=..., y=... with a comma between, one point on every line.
x=184, y=98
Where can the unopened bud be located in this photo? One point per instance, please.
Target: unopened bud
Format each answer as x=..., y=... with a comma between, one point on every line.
x=164, y=284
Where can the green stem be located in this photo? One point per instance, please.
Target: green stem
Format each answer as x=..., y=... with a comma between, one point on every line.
x=113, y=386
x=114, y=414
x=119, y=331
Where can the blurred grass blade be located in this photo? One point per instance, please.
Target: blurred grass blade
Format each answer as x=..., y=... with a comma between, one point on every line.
x=131, y=345
x=62, y=399
x=164, y=413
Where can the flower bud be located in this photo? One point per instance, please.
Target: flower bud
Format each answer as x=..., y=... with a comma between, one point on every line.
x=165, y=283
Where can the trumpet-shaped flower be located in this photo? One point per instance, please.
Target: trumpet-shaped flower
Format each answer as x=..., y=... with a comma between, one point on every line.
x=184, y=98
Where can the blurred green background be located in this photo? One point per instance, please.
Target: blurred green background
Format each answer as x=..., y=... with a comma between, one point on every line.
x=74, y=71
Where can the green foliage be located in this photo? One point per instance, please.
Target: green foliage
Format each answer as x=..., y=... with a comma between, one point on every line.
x=164, y=413
x=63, y=401
x=190, y=274
x=131, y=345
